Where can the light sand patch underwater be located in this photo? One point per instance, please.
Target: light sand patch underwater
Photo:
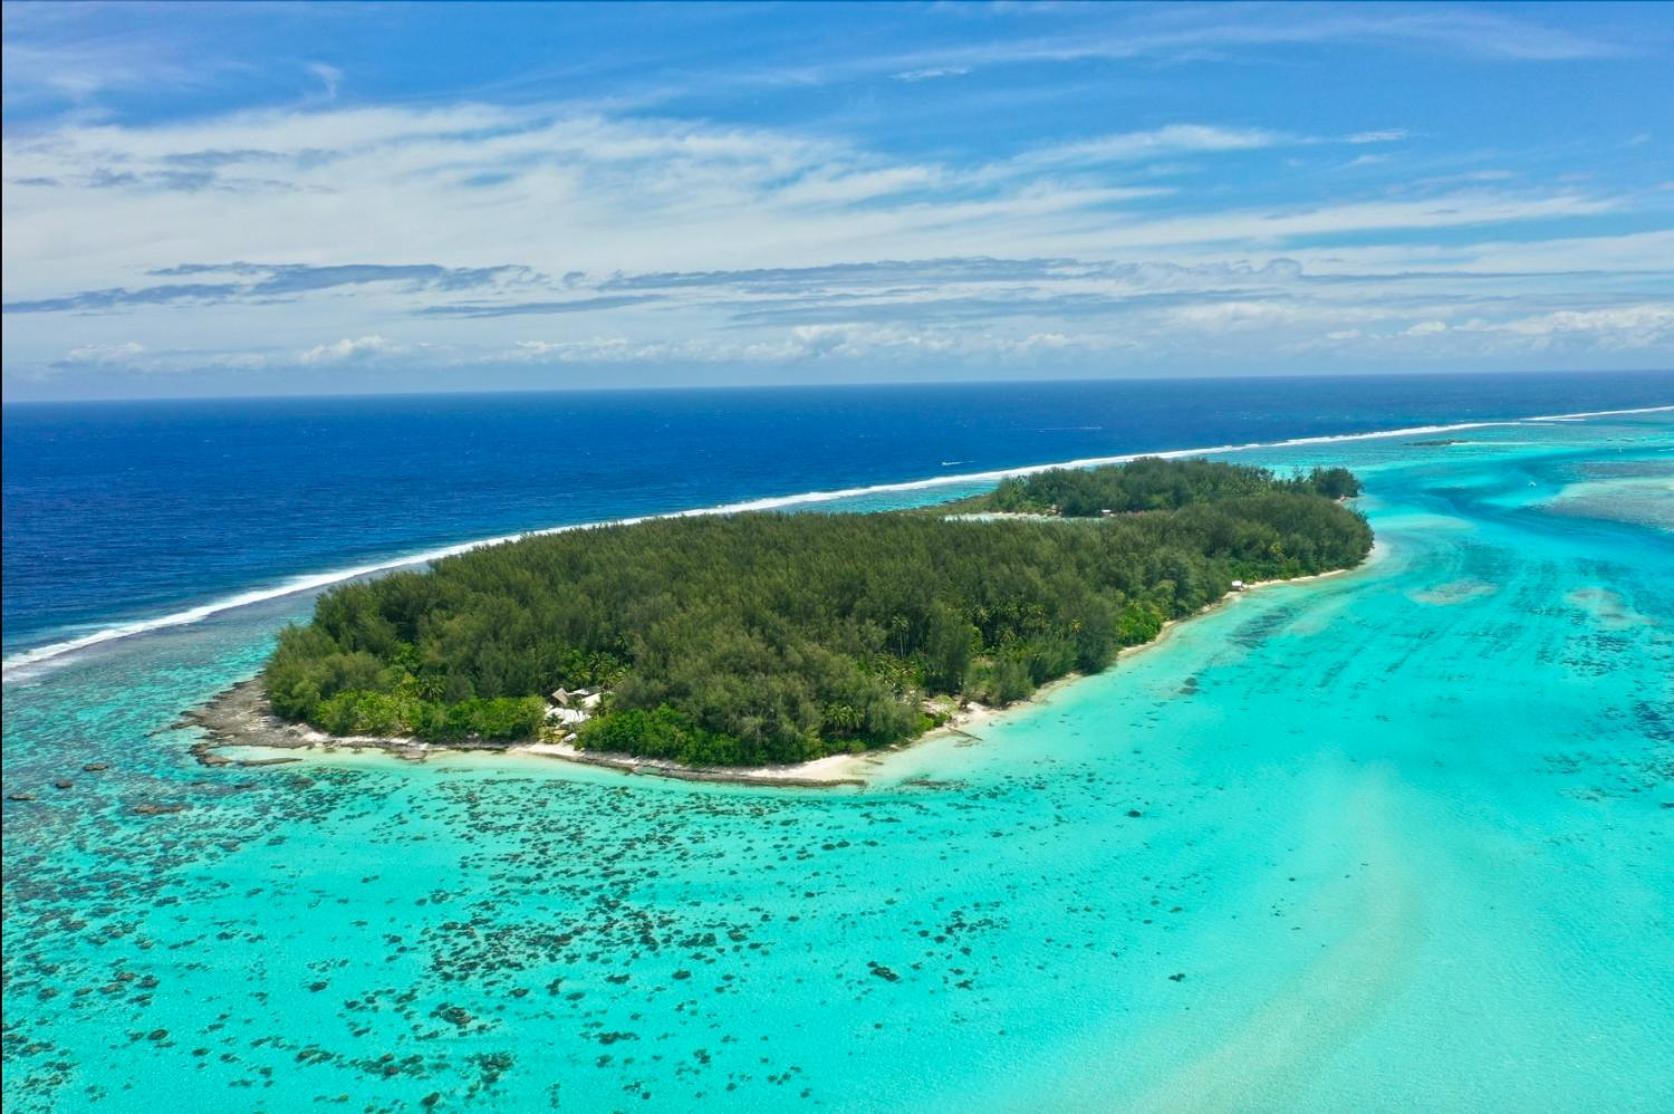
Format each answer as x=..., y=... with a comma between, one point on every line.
x=1645, y=500
x=1453, y=592
x=1607, y=608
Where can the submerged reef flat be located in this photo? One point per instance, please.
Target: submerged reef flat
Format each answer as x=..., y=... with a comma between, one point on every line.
x=1644, y=496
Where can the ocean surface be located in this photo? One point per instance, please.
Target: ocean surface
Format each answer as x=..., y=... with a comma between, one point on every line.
x=1393, y=840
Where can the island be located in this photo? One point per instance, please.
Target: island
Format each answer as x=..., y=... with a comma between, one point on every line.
x=765, y=639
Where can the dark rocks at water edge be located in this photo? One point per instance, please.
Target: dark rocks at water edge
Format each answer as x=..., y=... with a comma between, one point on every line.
x=241, y=716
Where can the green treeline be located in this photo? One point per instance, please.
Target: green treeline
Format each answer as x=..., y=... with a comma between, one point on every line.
x=1152, y=484
x=749, y=639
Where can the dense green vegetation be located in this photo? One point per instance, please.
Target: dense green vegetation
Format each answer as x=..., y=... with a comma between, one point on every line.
x=776, y=638
x=1152, y=484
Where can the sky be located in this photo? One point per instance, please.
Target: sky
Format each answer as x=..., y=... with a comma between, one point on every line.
x=259, y=199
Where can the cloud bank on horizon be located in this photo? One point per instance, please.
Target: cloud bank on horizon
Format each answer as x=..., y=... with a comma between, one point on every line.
x=211, y=200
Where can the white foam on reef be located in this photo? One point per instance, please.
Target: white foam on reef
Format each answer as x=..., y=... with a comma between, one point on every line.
x=14, y=667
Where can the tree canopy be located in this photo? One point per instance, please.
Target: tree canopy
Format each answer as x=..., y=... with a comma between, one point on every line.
x=756, y=638
x=1154, y=484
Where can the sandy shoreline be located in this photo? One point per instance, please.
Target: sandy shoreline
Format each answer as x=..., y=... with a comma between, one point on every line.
x=240, y=717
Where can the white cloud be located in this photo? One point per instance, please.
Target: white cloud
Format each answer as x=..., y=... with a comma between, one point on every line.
x=1386, y=135
x=1235, y=316
x=1480, y=32
x=1621, y=327
x=932, y=73
x=330, y=77
x=474, y=185
x=851, y=341
x=1174, y=139
x=348, y=348
x=1077, y=260
x=105, y=354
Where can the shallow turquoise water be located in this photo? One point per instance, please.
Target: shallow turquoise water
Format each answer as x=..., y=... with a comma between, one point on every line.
x=1394, y=840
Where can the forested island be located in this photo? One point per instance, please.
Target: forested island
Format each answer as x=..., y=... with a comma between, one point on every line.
x=755, y=639
x=1152, y=484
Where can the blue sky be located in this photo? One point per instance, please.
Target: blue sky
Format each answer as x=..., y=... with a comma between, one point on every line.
x=287, y=198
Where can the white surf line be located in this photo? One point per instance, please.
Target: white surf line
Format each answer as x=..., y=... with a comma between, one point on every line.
x=58, y=650
x=1591, y=414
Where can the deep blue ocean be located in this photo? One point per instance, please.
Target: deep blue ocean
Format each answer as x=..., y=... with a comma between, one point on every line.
x=122, y=512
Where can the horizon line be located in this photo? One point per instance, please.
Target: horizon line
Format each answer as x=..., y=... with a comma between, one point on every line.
x=6, y=403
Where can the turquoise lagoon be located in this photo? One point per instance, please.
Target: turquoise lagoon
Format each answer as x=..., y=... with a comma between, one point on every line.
x=1398, y=839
